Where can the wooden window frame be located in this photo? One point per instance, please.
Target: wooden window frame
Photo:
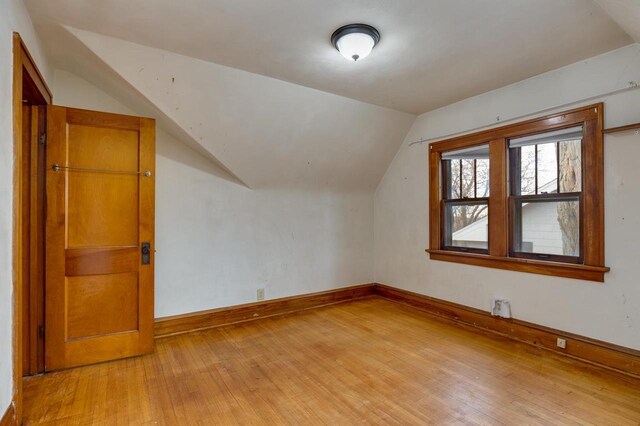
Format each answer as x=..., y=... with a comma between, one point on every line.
x=591, y=266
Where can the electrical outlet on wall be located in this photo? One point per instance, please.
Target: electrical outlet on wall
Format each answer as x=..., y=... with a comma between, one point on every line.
x=260, y=294
x=561, y=343
x=501, y=308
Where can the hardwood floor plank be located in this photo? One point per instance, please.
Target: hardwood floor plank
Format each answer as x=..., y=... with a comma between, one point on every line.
x=370, y=361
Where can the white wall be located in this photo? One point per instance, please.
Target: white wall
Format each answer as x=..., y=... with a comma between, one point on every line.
x=218, y=242
x=13, y=17
x=609, y=311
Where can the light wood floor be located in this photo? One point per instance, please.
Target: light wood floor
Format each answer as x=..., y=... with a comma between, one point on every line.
x=370, y=361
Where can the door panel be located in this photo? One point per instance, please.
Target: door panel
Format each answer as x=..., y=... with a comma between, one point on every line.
x=99, y=297
x=100, y=198
x=94, y=261
x=102, y=304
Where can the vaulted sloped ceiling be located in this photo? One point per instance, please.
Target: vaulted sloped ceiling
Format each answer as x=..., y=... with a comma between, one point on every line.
x=626, y=13
x=432, y=52
x=237, y=80
x=81, y=61
x=266, y=132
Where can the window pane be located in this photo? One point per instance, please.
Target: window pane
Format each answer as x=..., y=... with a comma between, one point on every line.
x=468, y=180
x=527, y=170
x=547, y=169
x=453, y=183
x=467, y=225
x=548, y=227
x=570, y=178
x=482, y=178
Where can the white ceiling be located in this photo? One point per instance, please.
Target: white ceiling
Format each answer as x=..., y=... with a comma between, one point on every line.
x=265, y=132
x=626, y=13
x=432, y=52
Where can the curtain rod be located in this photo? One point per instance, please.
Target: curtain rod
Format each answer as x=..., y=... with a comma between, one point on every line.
x=632, y=86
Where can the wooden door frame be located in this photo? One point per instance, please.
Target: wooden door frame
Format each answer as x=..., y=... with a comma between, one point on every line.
x=23, y=64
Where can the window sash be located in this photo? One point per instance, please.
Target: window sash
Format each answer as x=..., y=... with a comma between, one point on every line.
x=515, y=227
x=516, y=198
x=515, y=164
x=446, y=225
x=447, y=179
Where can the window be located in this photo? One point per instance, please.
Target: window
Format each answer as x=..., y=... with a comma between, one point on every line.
x=466, y=199
x=546, y=192
x=525, y=197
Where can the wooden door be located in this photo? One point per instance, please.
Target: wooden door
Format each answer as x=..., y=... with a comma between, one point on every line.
x=99, y=237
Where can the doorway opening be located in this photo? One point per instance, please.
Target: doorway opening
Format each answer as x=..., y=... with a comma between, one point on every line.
x=30, y=98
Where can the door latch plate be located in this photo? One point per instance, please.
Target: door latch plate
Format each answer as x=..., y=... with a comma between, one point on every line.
x=146, y=253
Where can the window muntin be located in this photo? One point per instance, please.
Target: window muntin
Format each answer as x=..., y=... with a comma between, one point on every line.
x=546, y=195
x=466, y=199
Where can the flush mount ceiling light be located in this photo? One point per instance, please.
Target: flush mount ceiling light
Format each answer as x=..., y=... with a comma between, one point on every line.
x=355, y=41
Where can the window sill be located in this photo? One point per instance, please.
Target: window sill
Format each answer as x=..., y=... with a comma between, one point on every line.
x=566, y=270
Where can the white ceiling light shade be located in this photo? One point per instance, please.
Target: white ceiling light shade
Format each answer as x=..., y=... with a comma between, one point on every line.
x=355, y=41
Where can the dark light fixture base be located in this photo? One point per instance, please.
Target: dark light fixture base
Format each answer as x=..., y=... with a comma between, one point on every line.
x=355, y=28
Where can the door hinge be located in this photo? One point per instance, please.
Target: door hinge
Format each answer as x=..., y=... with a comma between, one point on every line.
x=41, y=332
x=43, y=139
